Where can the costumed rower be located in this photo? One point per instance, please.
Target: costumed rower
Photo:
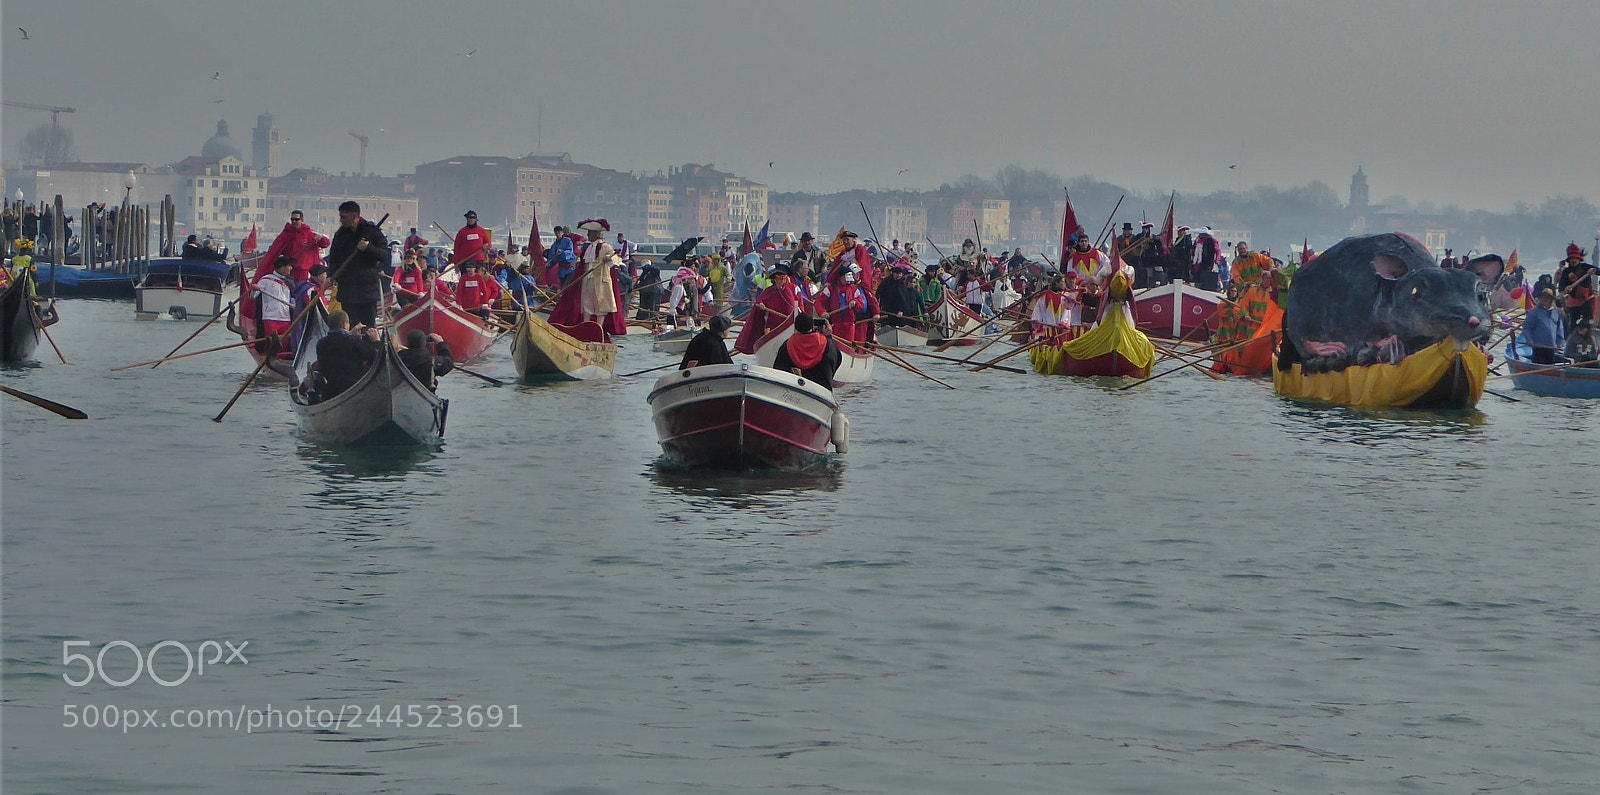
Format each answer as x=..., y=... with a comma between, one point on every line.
x=772, y=312
x=1052, y=312
x=476, y=292
x=595, y=298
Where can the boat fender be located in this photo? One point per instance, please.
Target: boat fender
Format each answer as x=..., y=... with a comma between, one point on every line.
x=840, y=432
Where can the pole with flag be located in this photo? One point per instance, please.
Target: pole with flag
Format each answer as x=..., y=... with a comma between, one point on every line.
x=1069, y=227
x=536, y=253
x=747, y=246
x=250, y=242
x=762, y=238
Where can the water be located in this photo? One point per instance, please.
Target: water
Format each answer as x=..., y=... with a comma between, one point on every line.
x=1028, y=585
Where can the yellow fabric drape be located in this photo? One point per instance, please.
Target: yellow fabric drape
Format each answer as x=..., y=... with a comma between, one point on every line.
x=1385, y=384
x=1115, y=333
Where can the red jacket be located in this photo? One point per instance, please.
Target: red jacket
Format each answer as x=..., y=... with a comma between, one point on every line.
x=472, y=243
x=303, y=244
x=476, y=290
x=409, y=279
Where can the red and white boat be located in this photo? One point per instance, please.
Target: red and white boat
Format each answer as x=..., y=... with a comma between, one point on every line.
x=469, y=336
x=1177, y=311
x=950, y=319
x=746, y=417
x=855, y=367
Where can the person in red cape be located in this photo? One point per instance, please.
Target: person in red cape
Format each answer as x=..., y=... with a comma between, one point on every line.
x=773, y=309
x=810, y=353
x=472, y=243
x=297, y=240
x=570, y=308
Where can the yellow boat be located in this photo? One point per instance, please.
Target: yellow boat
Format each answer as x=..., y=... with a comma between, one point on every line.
x=1439, y=377
x=541, y=350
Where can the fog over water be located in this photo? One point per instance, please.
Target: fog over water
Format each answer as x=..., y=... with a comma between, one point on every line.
x=1478, y=104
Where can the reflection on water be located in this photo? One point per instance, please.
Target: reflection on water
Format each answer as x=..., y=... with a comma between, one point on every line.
x=1376, y=427
x=363, y=463
x=731, y=485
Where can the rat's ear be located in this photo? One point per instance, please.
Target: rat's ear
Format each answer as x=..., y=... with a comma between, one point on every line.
x=1389, y=267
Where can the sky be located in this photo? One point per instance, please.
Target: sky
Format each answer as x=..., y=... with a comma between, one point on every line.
x=1480, y=104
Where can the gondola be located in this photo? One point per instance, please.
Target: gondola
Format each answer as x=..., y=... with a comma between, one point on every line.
x=388, y=406
x=21, y=322
x=543, y=351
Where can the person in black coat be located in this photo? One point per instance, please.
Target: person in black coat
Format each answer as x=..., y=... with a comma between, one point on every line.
x=809, y=352
x=342, y=356
x=427, y=356
x=709, y=346
x=650, y=294
x=359, y=257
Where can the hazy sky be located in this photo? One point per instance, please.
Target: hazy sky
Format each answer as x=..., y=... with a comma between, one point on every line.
x=1477, y=103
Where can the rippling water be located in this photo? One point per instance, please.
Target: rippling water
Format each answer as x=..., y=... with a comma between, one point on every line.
x=1028, y=585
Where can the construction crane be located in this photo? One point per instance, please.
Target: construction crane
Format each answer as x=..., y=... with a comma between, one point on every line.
x=362, y=137
x=55, y=112
x=55, y=115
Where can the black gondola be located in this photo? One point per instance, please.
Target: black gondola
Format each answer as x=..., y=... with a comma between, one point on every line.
x=21, y=323
x=387, y=406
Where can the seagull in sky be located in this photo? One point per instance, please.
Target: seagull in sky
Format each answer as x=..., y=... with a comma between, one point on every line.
x=771, y=163
x=218, y=101
x=1235, y=165
x=469, y=53
x=902, y=171
x=216, y=76
x=25, y=36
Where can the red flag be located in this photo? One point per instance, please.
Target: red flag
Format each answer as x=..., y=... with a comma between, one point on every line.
x=250, y=242
x=1305, y=250
x=1167, y=229
x=536, y=249
x=748, y=245
x=1069, y=225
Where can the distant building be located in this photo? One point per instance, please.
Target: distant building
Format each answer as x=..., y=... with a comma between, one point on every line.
x=265, y=144
x=318, y=194
x=794, y=213
x=221, y=196
x=1358, y=191
x=899, y=221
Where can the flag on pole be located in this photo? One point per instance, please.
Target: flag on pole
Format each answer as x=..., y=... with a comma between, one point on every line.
x=762, y=239
x=747, y=246
x=836, y=248
x=250, y=242
x=536, y=254
x=1069, y=227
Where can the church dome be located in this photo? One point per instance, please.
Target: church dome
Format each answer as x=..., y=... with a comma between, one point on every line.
x=220, y=145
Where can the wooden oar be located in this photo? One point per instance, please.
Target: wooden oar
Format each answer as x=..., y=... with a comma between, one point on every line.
x=1028, y=347
x=207, y=325
x=242, y=388
x=1191, y=361
x=1003, y=335
x=187, y=355
x=495, y=381
x=909, y=367
x=1542, y=370
x=48, y=405
x=52, y=341
x=651, y=370
x=1186, y=364
x=936, y=356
